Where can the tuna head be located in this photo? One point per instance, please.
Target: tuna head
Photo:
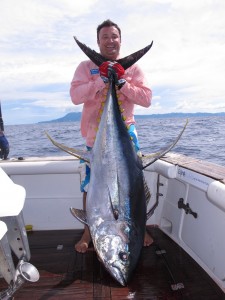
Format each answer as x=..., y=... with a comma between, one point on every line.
x=118, y=245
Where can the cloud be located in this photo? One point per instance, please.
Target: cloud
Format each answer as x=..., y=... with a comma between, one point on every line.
x=185, y=67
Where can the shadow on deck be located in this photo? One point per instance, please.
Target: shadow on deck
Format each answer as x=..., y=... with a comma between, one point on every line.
x=66, y=274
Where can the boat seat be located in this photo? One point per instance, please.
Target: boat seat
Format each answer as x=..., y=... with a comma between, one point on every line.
x=12, y=202
x=3, y=229
x=7, y=268
x=13, y=196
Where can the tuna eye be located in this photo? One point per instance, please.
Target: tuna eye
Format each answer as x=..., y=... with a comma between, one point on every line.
x=123, y=256
x=116, y=214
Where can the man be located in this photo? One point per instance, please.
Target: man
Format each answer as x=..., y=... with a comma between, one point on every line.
x=89, y=86
x=4, y=146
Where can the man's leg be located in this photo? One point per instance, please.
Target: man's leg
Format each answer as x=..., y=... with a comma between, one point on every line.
x=148, y=240
x=85, y=240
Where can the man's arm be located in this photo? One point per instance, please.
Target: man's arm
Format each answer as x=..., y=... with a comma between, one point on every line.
x=86, y=83
x=136, y=88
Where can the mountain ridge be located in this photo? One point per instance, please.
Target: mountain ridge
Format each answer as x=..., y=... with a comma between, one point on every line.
x=76, y=116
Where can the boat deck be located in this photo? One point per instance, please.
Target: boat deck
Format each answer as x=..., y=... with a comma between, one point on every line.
x=164, y=272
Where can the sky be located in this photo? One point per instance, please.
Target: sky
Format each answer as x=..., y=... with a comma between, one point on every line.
x=38, y=56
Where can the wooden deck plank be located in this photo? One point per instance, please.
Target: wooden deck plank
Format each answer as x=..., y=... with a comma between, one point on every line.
x=206, y=168
x=66, y=274
x=197, y=284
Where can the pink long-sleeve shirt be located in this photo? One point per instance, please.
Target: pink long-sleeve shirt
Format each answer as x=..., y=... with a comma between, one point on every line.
x=87, y=87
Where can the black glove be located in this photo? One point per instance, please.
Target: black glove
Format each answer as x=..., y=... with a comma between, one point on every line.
x=4, y=147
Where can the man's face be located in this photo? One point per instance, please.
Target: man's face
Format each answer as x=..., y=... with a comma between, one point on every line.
x=109, y=42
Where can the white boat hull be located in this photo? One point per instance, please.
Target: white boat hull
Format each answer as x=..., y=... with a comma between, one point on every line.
x=53, y=186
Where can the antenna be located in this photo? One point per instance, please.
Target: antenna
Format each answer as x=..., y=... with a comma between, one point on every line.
x=1, y=120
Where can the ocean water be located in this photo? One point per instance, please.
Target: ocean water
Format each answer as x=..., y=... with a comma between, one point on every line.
x=204, y=138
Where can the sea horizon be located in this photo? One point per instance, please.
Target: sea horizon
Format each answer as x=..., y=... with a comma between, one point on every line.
x=204, y=137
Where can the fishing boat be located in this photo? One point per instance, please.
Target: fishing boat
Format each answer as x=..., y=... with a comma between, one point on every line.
x=185, y=261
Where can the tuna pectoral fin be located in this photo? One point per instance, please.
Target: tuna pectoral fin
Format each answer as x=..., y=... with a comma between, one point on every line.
x=85, y=155
x=79, y=214
x=151, y=158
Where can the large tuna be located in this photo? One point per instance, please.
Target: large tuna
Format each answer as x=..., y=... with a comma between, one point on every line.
x=116, y=200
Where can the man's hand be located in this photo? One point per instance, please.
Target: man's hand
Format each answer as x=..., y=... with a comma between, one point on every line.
x=114, y=69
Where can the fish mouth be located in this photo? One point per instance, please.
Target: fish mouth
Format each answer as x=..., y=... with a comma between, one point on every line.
x=119, y=276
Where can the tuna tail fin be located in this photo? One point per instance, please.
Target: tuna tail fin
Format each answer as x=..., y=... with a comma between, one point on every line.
x=85, y=155
x=79, y=214
x=97, y=58
x=129, y=60
x=125, y=62
x=150, y=159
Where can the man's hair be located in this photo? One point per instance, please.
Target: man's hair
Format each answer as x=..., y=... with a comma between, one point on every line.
x=107, y=23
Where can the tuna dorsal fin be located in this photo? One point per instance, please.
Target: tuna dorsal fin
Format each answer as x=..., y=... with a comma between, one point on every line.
x=150, y=159
x=85, y=155
x=126, y=62
x=79, y=214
